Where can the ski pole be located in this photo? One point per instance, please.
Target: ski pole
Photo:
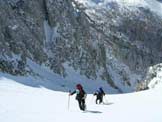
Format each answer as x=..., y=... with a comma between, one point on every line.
x=92, y=99
x=106, y=100
x=69, y=100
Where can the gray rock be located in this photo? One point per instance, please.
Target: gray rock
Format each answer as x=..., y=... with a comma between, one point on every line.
x=54, y=32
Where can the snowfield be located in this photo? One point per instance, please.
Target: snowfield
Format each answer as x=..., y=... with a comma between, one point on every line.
x=22, y=103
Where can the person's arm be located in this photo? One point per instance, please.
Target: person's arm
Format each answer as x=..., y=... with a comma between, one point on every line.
x=103, y=92
x=85, y=94
x=73, y=92
x=95, y=94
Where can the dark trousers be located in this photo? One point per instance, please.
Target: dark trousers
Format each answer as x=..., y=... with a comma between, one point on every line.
x=100, y=99
x=82, y=105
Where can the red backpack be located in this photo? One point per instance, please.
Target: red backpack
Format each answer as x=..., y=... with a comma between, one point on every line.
x=79, y=87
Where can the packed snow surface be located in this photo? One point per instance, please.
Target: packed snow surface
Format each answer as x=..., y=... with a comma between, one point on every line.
x=22, y=103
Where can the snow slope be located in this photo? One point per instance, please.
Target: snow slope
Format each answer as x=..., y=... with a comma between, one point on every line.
x=42, y=76
x=22, y=103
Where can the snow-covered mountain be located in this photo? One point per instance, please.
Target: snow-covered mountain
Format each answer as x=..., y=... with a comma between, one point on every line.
x=100, y=41
x=154, y=76
x=154, y=5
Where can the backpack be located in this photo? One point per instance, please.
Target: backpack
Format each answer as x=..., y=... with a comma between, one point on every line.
x=80, y=93
x=79, y=87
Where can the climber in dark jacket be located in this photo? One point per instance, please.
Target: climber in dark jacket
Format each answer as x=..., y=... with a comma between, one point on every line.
x=80, y=96
x=99, y=95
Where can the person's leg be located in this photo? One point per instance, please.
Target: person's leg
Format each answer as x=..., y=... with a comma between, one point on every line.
x=96, y=101
x=100, y=100
x=80, y=104
x=83, y=105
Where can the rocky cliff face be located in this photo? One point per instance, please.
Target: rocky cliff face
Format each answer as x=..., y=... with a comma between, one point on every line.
x=113, y=42
x=21, y=34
